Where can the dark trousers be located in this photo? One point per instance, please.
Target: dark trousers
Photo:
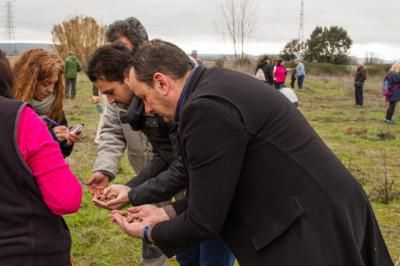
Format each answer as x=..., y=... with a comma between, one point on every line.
x=278, y=85
x=70, y=84
x=359, y=95
x=292, y=83
x=213, y=252
x=300, y=81
x=390, y=110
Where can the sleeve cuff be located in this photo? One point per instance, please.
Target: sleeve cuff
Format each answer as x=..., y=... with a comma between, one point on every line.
x=170, y=211
x=149, y=237
x=109, y=174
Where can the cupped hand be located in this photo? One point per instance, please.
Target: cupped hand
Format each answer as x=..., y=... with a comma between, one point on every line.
x=121, y=197
x=97, y=183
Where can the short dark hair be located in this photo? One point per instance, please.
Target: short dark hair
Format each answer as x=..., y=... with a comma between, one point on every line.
x=6, y=76
x=160, y=56
x=110, y=62
x=131, y=28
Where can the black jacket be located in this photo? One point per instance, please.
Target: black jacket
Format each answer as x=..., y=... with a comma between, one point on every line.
x=268, y=71
x=262, y=179
x=165, y=175
x=30, y=234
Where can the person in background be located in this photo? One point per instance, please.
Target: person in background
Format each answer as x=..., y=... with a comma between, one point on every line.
x=300, y=73
x=34, y=194
x=293, y=78
x=279, y=74
x=39, y=80
x=393, y=93
x=360, y=77
x=196, y=57
x=72, y=67
x=264, y=70
x=260, y=73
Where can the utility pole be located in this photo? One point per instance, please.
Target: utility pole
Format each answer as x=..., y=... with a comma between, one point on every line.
x=10, y=26
x=301, y=23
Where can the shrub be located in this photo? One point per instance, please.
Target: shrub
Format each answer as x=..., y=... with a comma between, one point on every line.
x=327, y=69
x=377, y=69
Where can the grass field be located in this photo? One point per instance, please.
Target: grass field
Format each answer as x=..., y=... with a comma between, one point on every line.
x=357, y=135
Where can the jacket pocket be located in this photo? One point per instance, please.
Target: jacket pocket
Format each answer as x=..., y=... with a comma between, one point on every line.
x=276, y=223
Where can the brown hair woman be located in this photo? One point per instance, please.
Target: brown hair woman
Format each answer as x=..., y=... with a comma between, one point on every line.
x=39, y=80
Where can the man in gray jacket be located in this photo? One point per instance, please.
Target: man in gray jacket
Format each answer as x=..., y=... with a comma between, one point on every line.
x=115, y=136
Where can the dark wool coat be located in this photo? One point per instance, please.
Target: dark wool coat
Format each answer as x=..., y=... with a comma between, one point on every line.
x=395, y=85
x=261, y=177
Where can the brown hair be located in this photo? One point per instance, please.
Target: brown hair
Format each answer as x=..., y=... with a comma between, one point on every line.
x=160, y=56
x=34, y=66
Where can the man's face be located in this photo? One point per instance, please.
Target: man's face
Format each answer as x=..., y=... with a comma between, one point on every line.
x=115, y=91
x=155, y=98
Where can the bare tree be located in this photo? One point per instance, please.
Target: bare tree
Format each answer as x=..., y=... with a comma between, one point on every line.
x=238, y=18
x=79, y=34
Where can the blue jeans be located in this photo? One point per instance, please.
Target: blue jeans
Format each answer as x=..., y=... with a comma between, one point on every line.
x=212, y=252
x=300, y=80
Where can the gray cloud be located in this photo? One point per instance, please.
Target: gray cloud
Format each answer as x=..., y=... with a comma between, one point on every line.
x=366, y=21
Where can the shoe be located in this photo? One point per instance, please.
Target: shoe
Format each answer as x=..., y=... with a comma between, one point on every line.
x=387, y=121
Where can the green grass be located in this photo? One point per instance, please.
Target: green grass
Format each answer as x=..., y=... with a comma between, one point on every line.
x=356, y=135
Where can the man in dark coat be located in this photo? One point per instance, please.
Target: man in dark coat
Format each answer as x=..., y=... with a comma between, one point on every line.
x=359, y=79
x=259, y=175
x=164, y=175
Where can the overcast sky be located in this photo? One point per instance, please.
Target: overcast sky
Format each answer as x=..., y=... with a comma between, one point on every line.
x=372, y=25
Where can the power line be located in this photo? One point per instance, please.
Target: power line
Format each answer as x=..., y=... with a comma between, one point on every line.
x=10, y=26
x=301, y=23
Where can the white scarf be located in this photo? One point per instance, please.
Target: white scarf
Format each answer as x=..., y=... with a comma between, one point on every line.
x=43, y=107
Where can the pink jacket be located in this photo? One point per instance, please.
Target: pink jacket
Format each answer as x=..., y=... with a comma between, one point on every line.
x=61, y=190
x=280, y=74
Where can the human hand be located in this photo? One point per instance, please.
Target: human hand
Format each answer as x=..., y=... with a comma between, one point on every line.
x=120, y=197
x=149, y=214
x=73, y=137
x=133, y=229
x=97, y=183
x=61, y=132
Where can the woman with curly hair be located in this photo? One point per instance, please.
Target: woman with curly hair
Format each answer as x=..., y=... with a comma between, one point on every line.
x=33, y=193
x=39, y=80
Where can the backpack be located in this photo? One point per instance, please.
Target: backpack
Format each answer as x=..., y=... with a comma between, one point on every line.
x=260, y=74
x=386, y=86
x=389, y=86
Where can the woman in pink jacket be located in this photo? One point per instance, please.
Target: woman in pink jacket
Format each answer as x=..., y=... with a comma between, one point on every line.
x=279, y=74
x=37, y=186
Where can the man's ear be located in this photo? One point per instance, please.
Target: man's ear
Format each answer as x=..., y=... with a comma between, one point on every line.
x=161, y=82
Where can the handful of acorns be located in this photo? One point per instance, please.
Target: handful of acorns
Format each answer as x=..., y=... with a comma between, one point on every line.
x=105, y=198
x=131, y=218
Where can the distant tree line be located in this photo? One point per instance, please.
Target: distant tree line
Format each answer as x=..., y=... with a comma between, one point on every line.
x=325, y=45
